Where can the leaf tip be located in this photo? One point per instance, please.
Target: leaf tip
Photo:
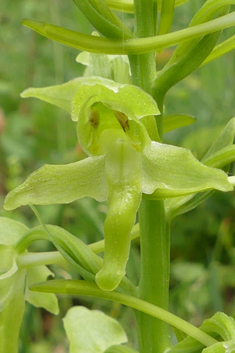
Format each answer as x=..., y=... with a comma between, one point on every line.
x=25, y=93
x=37, y=26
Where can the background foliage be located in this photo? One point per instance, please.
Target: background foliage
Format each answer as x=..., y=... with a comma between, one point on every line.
x=33, y=133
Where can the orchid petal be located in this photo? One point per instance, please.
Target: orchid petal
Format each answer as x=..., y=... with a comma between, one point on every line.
x=59, y=95
x=178, y=172
x=11, y=231
x=56, y=184
x=137, y=101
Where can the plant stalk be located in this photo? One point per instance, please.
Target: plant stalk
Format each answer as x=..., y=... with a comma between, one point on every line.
x=143, y=66
x=154, y=282
x=154, y=230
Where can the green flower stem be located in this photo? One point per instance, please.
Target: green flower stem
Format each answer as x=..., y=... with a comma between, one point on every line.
x=38, y=233
x=32, y=235
x=123, y=6
x=135, y=46
x=143, y=67
x=154, y=282
x=40, y=258
x=78, y=287
x=105, y=21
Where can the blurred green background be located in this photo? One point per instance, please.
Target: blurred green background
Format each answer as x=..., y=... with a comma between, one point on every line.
x=33, y=133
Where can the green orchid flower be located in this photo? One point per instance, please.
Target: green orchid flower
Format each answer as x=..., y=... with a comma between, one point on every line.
x=14, y=281
x=221, y=327
x=123, y=165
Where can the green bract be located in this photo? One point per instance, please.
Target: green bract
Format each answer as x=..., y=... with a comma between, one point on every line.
x=129, y=46
x=123, y=164
x=220, y=326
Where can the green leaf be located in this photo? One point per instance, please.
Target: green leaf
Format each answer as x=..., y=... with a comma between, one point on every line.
x=53, y=184
x=175, y=171
x=175, y=121
x=59, y=95
x=120, y=349
x=206, y=13
x=47, y=301
x=78, y=254
x=187, y=272
x=170, y=75
x=225, y=139
x=221, y=158
x=179, y=334
x=221, y=49
x=181, y=205
x=103, y=19
x=91, y=331
x=131, y=46
x=221, y=324
x=167, y=13
x=221, y=347
x=209, y=9
x=11, y=231
x=192, y=51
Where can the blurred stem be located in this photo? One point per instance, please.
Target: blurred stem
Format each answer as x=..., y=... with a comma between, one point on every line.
x=59, y=78
x=58, y=49
x=213, y=270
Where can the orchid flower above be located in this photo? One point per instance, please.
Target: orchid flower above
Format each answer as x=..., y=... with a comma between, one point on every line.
x=123, y=164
